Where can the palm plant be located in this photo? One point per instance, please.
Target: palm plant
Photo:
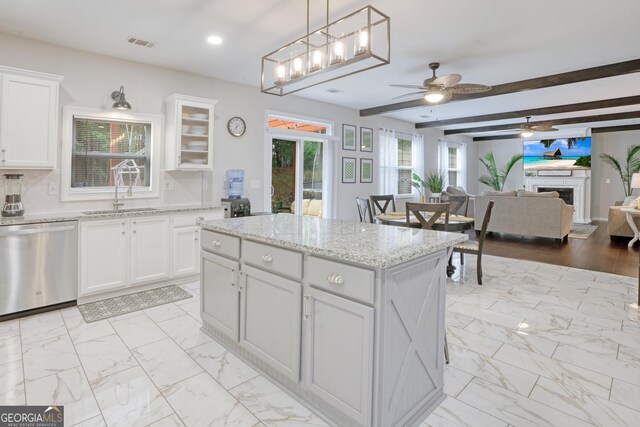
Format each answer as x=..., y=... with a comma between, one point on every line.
x=495, y=178
x=626, y=170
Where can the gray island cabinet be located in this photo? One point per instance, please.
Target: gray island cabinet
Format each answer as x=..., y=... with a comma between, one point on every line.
x=346, y=317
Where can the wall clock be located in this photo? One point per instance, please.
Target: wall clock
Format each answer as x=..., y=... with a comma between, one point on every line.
x=236, y=126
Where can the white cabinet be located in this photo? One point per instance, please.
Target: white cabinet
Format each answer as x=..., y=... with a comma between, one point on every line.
x=186, y=251
x=220, y=300
x=338, y=356
x=117, y=253
x=189, y=133
x=104, y=254
x=28, y=119
x=186, y=241
x=270, y=319
x=150, y=249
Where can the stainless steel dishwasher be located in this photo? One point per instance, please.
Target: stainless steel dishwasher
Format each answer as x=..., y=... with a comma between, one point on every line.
x=38, y=265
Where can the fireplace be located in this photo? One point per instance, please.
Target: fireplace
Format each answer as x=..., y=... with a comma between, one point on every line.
x=566, y=194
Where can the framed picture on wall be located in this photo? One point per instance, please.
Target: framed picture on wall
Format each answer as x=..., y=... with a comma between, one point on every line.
x=366, y=139
x=348, y=170
x=349, y=137
x=366, y=170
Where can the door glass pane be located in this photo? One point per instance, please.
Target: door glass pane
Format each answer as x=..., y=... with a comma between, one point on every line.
x=312, y=176
x=283, y=175
x=194, y=139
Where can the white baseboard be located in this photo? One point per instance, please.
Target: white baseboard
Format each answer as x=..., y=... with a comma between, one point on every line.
x=600, y=219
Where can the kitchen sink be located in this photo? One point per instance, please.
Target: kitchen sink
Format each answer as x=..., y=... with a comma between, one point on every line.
x=113, y=211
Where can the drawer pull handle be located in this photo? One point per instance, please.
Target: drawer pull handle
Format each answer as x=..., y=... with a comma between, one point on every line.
x=267, y=259
x=336, y=279
x=216, y=243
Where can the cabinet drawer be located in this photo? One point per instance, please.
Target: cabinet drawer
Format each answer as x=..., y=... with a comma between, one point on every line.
x=190, y=219
x=354, y=282
x=274, y=259
x=221, y=244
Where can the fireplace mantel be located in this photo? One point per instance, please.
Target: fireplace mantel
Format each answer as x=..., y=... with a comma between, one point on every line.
x=579, y=181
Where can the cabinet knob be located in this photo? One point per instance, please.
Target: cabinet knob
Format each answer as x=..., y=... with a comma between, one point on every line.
x=335, y=279
x=267, y=258
x=216, y=243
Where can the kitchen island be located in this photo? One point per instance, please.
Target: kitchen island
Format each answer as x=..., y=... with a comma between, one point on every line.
x=347, y=317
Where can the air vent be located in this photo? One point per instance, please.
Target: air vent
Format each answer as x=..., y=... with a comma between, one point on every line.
x=334, y=91
x=140, y=42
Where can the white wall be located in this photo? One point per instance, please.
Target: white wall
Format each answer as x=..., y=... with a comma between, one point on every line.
x=503, y=150
x=90, y=78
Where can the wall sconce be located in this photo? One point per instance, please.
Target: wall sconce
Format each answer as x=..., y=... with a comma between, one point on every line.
x=121, y=103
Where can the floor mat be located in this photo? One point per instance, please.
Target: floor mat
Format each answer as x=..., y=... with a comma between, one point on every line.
x=124, y=304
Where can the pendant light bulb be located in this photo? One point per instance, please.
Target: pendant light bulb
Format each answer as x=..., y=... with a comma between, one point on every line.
x=526, y=133
x=433, y=97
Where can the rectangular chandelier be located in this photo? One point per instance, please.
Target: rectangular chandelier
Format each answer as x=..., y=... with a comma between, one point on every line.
x=357, y=42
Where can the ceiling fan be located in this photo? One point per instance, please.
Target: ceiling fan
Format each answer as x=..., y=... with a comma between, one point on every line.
x=440, y=89
x=527, y=129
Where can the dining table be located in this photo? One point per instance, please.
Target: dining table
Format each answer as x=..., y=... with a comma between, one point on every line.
x=457, y=223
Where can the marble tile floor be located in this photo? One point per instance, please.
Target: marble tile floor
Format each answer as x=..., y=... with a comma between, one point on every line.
x=536, y=345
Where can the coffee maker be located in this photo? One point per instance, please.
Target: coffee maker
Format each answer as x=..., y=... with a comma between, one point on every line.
x=13, y=195
x=234, y=208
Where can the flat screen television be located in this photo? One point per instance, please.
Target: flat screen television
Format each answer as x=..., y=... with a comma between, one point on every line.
x=558, y=153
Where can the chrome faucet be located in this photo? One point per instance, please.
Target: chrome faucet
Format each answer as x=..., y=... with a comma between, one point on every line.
x=117, y=172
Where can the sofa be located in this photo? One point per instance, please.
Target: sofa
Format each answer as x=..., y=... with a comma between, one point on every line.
x=617, y=225
x=310, y=207
x=525, y=213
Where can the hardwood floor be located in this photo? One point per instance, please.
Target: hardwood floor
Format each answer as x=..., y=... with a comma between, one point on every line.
x=597, y=253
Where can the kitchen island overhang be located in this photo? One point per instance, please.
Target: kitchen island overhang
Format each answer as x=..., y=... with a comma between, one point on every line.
x=347, y=317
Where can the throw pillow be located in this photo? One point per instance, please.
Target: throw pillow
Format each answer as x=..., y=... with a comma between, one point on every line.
x=548, y=194
x=456, y=191
x=498, y=193
x=635, y=204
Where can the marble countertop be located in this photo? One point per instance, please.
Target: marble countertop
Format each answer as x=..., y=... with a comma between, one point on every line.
x=105, y=214
x=372, y=245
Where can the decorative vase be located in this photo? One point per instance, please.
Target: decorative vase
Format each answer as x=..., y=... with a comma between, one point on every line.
x=436, y=195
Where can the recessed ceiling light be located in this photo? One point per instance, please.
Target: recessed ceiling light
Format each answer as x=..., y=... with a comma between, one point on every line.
x=333, y=90
x=214, y=40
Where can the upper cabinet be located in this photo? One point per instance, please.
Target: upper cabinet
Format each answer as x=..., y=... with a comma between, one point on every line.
x=189, y=137
x=28, y=119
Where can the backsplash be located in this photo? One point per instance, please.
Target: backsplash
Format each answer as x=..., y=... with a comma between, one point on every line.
x=187, y=190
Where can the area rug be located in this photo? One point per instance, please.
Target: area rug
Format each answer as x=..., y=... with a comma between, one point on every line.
x=124, y=304
x=581, y=231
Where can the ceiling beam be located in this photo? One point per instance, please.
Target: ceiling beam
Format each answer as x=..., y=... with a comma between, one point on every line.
x=604, y=129
x=566, y=108
x=622, y=128
x=567, y=121
x=576, y=76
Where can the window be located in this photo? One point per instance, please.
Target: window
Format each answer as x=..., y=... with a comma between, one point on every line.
x=404, y=167
x=452, y=160
x=453, y=166
x=102, y=149
x=106, y=151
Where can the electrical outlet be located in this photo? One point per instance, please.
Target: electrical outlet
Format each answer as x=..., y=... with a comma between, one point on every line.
x=169, y=186
x=53, y=189
x=607, y=181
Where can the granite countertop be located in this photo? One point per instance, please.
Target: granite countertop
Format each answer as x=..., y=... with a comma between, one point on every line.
x=372, y=245
x=101, y=214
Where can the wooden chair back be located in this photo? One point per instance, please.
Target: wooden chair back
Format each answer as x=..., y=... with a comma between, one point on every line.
x=387, y=199
x=485, y=225
x=457, y=202
x=438, y=209
x=364, y=210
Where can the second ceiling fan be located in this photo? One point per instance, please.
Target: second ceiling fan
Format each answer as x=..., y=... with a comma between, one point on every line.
x=438, y=90
x=527, y=129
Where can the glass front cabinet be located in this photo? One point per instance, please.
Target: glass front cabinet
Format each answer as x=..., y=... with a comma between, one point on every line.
x=189, y=133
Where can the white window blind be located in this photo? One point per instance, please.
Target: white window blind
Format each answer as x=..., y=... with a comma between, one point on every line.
x=405, y=165
x=104, y=151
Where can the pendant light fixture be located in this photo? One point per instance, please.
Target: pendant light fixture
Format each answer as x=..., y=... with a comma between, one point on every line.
x=121, y=103
x=352, y=44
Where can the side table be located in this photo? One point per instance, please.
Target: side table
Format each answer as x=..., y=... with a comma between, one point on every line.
x=630, y=213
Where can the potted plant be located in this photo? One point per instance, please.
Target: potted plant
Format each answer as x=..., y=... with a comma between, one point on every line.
x=419, y=184
x=626, y=171
x=495, y=178
x=434, y=181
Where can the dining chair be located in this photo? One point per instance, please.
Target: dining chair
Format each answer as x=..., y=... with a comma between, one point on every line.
x=458, y=205
x=438, y=209
x=475, y=246
x=364, y=210
x=387, y=199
